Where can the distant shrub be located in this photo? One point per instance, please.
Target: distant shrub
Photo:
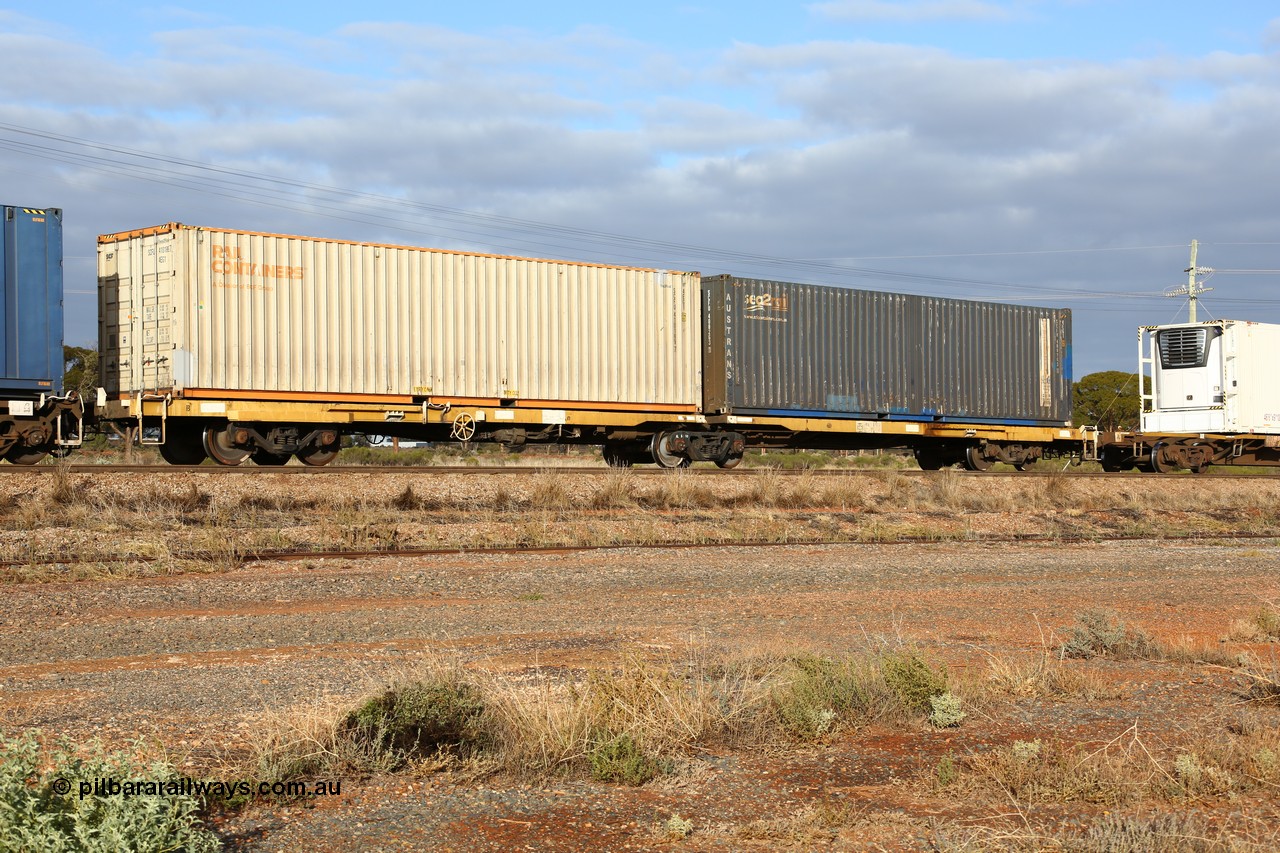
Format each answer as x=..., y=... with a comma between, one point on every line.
x=409, y=456
x=1101, y=633
x=786, y=460
x=620, y=759
x=946, y=711
x=1267, y=621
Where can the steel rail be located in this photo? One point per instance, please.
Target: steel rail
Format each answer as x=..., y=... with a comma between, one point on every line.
x=304, y=470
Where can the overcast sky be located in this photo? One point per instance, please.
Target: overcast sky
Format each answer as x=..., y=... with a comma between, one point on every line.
x=1051, y=152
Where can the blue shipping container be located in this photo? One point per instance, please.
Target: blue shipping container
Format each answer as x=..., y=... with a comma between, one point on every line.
x=31, y=359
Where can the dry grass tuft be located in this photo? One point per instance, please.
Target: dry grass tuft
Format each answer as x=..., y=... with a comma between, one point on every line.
x=811, y=827
x=617, y=491
x=549, y=492
x=1047, y=676
x=679, y=490
x=1036, y=771
x=625, y=724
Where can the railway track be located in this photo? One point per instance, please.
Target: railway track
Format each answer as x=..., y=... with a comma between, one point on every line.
x=290, y=555
x=331, y=470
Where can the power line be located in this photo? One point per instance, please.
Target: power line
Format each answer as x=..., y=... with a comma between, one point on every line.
x=446, y=222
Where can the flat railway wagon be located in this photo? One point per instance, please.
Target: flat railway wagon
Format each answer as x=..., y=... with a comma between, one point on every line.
x=1210, y=395
x=36, y=417
x=236, y=345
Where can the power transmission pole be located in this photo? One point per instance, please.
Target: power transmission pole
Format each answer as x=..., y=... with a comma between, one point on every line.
x=1193, y=288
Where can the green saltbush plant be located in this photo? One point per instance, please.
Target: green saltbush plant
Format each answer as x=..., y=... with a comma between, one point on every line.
x=41, y=808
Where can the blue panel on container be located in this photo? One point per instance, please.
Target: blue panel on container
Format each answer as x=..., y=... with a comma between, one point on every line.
x=875, y=416
x=837, y=403
x=31, y=308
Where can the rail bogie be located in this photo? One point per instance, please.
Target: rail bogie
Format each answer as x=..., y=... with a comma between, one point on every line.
x=1167, y=453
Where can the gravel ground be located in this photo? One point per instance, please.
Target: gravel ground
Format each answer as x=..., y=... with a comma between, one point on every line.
x=197, y=662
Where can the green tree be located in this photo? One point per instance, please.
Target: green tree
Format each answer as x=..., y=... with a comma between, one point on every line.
x=1108, y=399
x=80, y=370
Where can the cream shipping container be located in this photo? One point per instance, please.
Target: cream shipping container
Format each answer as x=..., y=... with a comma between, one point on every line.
x=207, y=312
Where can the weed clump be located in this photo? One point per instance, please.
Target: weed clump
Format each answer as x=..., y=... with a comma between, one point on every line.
x=815, y=694
x=549, y=492
x=420, y=718
x=620, y=759
x=617, y=491
x=1136, y=834
x=1262, y=683
x=1101, y=633
x=1038, y=772
x=410, y=501
x=1268, y=622
x=912, y=680
x=66, y=490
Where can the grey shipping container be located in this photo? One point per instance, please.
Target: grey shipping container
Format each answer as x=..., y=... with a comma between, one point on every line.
x=802, y=350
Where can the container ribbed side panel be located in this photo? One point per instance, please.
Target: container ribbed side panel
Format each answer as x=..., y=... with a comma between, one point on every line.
x=31, y=357
x=797, y=348
x=257, y=312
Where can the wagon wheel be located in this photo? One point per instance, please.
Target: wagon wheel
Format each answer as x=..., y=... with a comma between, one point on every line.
x=616, y=457
x=929, y=459
x=663, y=455
x=218, y=444
x=1159, y=465
x=22, y=455
x=464, y=427
x=183, y=445
x=975, y=461
x=1112, y=459
x=317, y=455
x=730, y=461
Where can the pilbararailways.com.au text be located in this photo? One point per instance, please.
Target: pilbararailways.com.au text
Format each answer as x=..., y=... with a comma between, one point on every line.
x=110, y=787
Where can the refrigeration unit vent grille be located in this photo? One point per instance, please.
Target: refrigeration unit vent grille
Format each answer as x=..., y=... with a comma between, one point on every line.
x=1184, y=347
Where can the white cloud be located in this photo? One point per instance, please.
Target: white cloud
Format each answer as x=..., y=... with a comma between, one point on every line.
x=912, y=11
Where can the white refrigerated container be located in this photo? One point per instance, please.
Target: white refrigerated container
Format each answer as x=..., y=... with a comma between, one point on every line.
x=1219, y=377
